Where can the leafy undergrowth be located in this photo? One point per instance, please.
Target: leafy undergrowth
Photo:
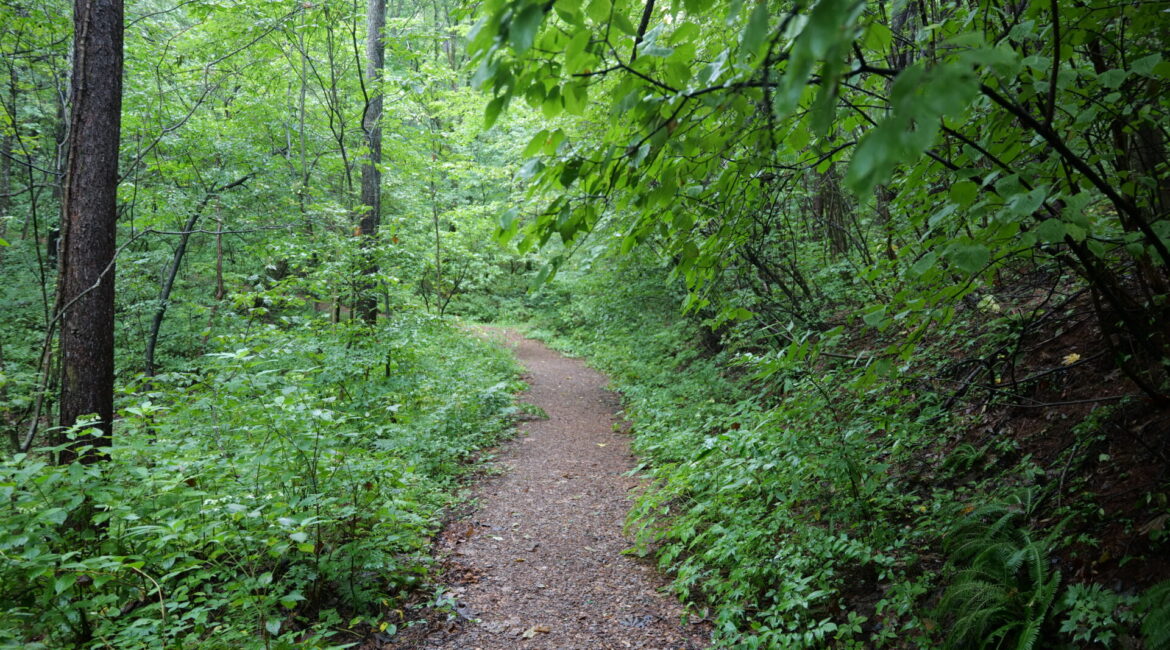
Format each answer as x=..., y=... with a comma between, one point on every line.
x=810, y=500
x=279, y=492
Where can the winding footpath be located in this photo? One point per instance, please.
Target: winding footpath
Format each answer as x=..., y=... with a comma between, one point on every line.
x=538, y=563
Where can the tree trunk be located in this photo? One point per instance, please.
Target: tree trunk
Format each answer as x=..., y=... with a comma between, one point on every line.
x=367, y=306
x=303, y=191
x=5, y=174
x=89, y=210
x=830, y=211
x=164, y=294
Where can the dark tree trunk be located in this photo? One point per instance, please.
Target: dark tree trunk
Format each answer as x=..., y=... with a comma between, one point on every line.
x=5, y=174
x=367, y=306
x=164, y=294
x=88, y=225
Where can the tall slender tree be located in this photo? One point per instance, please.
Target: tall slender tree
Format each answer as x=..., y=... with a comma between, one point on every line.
x=372, y=125
x=89, y=214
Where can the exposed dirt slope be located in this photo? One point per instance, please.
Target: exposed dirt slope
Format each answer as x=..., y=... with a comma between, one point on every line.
x=539, y=563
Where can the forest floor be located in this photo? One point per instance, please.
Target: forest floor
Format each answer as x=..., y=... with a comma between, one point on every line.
x=536, y=559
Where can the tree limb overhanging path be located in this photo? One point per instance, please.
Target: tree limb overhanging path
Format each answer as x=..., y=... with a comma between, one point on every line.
x=539, y=563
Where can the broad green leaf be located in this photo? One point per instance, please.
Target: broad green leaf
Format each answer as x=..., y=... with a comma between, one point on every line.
x=64, y=582
x=875, y=317
x=754, y=31
x=598, y=10
x=1050, y=231
x=623, y=23
x=963, y=193
x=522, y=30
x=492, y=111
x=507, y=218
x=924, y=264
x=575, y=53
x=969, y=258
x=535, y=144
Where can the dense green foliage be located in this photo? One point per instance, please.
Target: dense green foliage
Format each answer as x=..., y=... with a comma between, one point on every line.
x=925, y=149
x=884, y=285
x=277, y=470
x=925, y=248
x=827, y=507
x=288, y=482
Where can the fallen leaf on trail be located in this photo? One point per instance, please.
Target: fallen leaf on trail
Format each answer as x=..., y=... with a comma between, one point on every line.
x=536, y=629
x=601, y=444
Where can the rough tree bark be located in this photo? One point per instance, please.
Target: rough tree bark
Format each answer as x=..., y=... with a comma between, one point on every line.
x=89, y=214
x=367, y=304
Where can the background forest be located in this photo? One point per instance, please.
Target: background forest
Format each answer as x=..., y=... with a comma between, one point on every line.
x=884, y=286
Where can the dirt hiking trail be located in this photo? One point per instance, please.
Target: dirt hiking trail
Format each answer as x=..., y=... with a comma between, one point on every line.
x=539, y=564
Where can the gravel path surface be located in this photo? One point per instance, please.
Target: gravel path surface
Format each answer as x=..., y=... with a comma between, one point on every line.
x=539, y=564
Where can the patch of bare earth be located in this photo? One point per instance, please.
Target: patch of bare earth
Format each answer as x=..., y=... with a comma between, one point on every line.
x=539, y=563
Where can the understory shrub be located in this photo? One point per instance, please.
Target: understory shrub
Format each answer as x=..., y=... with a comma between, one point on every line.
x=804, y=500
x=277, y=491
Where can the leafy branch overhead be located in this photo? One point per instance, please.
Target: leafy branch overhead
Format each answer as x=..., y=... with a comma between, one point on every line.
x=684, y=120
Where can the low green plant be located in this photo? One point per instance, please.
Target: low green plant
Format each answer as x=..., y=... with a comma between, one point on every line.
x=265, y=494
x=1154, y=609
x=1003, y=588
x=1094, y=614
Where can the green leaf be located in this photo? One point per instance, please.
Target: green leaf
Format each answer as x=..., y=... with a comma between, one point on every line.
x=522, y=30
x=535, y=144
x=552, y=106
x=1027, y=203
x=1051, y=231
x=970, y=258
x=828, y=24
x=55, y=515
x=508, y=218
x=963, y=193
x=575, y=53
x=569, y=172
x=64, y=582
x=875, y=317
x=621, y=22
x=923, y=265
x=878, y=37
x=598, y=10
x=492, y=111
x=531, y=168
x=273, y=626
x=754, y=32
x=1112, y=78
